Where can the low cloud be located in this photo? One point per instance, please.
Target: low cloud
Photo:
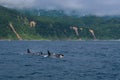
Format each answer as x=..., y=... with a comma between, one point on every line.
x=98, y=7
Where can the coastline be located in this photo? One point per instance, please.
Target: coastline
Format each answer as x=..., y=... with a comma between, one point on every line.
x=56, y=40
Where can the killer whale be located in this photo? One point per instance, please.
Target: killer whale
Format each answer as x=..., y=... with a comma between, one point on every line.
x=49, y=54
x=33, y=53
x=54, y=55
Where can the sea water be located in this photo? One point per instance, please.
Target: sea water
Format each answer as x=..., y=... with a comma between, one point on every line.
x=83, y=60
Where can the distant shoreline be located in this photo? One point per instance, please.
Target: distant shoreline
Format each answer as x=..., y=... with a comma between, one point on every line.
x=57, y=40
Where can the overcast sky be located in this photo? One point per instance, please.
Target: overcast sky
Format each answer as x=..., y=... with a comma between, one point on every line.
x=98, y=7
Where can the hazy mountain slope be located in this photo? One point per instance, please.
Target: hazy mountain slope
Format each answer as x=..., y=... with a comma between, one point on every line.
x=56, y=25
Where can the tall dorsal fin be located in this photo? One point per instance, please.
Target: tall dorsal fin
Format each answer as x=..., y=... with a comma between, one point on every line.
x=49, y=54
x=28, y=51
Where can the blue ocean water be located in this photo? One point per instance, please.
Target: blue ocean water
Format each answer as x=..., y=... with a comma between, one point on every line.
x=83, y=60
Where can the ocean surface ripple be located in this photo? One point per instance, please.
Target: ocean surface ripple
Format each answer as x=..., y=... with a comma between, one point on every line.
x=83, y=60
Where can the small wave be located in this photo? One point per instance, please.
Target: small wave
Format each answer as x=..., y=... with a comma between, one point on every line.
x=20, y=77
x=27, y=65
x=33, y=73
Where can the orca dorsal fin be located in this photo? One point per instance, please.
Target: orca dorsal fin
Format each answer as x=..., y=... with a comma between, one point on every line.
x=41, y=53
x=28, y=51
x=49, y=54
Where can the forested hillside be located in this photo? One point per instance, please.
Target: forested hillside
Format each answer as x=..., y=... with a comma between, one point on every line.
x=56, y=25
x=18, y=21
